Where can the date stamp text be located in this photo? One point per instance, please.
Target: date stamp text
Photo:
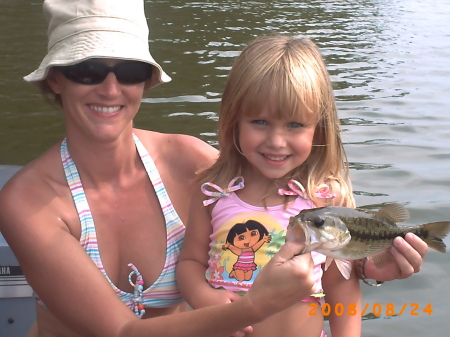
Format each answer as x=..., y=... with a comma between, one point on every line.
x=376, y=309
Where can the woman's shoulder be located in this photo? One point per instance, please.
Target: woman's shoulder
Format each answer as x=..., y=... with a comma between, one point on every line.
x=35, y=190
x=40, y=177
x=178, y=147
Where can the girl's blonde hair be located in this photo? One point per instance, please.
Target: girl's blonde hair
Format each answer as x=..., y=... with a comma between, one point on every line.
x=290, y=74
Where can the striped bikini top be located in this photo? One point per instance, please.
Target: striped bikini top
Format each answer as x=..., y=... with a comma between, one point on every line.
x=162, y=293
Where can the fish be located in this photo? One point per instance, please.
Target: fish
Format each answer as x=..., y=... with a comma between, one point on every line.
x=344, y=234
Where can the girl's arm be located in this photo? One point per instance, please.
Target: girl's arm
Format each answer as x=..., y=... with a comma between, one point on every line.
x=344, y=298
x=194, y=256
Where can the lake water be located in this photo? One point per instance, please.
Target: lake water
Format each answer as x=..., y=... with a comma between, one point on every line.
x=389, y=62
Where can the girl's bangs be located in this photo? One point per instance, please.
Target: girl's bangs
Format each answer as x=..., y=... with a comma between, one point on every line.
x=288, y=97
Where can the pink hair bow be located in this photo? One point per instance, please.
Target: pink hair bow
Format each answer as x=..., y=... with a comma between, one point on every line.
x=297, y=189
x=218, y=192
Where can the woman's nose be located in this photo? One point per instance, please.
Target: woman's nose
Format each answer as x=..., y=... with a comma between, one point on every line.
x=110, y=86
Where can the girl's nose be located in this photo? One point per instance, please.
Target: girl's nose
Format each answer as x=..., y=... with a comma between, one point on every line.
x=276, y=138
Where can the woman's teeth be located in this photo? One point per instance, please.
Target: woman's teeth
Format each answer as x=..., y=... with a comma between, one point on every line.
x=106, y=110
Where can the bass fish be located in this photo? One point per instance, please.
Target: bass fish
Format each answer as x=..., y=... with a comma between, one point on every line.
x=343, y=233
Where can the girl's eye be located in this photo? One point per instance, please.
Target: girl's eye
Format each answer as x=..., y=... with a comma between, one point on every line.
x=295, y=125
x=259, y=122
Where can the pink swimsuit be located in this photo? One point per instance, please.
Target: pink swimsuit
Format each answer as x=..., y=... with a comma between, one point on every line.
x=245, y=237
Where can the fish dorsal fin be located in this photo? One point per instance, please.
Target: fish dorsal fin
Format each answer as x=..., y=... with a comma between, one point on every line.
x=382, y=259
x=344, y=266
x=394, y=212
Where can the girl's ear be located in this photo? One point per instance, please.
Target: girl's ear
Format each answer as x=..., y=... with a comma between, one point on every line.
x=53, y=80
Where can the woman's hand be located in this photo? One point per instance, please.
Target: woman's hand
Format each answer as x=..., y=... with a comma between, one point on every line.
x=285, y=280
x=408, y=255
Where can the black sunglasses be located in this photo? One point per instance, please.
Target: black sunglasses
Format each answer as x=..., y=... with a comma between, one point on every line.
x=89, y=72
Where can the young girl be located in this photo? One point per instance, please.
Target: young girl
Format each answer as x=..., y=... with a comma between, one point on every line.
x=280, y=153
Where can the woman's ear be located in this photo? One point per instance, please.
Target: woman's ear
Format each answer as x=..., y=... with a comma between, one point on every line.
x=53, y=80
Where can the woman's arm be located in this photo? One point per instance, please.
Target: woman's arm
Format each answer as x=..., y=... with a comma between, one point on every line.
x=344, y=297
x=284, y=281
x=77, y=293
x=53, y=261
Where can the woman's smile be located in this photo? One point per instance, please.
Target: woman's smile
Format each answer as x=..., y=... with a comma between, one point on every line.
x=105, y=109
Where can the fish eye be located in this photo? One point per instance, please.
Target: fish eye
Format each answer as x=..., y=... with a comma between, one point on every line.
x=318, y=222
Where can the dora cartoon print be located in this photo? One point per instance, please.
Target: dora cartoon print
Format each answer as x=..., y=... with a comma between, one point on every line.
x=244, y=239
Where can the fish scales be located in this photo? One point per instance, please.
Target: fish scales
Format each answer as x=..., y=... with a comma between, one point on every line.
x=371, y=229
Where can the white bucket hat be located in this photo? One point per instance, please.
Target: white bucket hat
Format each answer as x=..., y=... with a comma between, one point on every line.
x=83, y=29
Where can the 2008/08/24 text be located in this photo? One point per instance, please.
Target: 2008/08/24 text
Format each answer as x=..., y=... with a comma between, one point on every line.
x=376, y=309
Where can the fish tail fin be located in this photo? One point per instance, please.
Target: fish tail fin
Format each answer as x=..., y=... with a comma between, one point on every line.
x=434, y=233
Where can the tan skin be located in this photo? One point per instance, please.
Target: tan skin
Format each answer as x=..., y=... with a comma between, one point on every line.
x=39, y=220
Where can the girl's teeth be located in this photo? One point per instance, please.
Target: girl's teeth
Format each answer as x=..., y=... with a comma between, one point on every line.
x=276, y=158
x=107, y=110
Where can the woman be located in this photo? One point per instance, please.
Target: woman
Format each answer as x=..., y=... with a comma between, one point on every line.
x=96, y=222
x=120, y=180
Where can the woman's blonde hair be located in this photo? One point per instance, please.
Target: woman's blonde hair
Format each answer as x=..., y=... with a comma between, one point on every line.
x=290, y=74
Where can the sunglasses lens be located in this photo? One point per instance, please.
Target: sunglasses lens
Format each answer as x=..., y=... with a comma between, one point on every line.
x=86, y=72
x=94, y=73
x=133, y=72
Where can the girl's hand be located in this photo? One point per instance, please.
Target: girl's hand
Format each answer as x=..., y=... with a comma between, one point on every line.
x=408, y=255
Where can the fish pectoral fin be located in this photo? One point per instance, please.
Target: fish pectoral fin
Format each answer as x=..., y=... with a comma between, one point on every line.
x=344, y=266
x=328, y=262
x=382, y=259
x=394, y=212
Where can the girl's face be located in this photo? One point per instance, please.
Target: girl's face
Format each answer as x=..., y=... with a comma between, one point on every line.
x=274, y=146
x=247, y=239
x=100, y=110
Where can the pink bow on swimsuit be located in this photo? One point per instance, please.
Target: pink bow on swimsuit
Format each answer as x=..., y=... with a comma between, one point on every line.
x=218, y=192
x=297, y=189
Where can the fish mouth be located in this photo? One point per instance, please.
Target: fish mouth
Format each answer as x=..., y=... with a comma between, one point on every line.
x=298, y=232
